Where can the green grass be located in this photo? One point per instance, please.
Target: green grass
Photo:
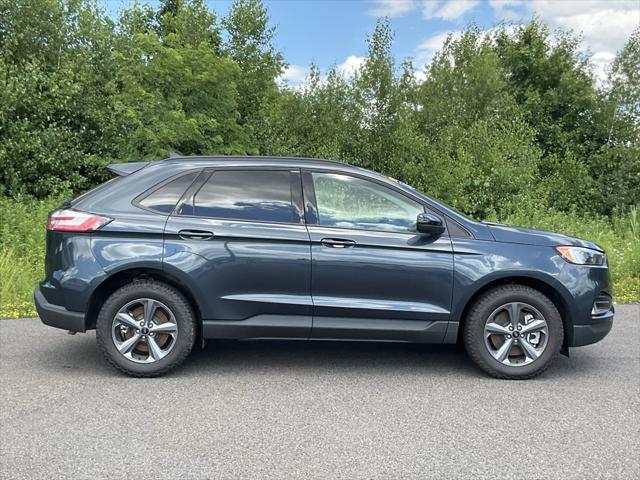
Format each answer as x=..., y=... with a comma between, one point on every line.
x=23, y=221
x=22, y=244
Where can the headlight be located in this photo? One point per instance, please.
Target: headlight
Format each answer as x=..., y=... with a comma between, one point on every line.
x=582, y=255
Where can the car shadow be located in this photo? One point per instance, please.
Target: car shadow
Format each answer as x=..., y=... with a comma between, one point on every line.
x=334, y=356
x=80, y=354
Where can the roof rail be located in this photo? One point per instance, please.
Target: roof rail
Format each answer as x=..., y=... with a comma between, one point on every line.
x=248, y=157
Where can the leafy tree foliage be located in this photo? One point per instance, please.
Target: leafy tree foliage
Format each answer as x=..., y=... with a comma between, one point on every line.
x=173, y=91
x=250, y=45
x=499, y=121
x=616, y=166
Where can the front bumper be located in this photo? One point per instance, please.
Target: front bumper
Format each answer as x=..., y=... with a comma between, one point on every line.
x=594, y=331
x=57, y=316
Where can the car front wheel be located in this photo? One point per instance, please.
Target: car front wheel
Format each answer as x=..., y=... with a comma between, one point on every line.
x=513, y=332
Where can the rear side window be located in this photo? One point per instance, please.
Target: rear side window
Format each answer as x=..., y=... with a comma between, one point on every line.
x=258, y=195
x=165, y=198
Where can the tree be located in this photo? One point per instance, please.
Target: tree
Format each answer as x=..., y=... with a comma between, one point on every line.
x=553, y=83
x=482, y=156
x=54, y=102
x=250, y=45
x=174, y=90
x=616, y=167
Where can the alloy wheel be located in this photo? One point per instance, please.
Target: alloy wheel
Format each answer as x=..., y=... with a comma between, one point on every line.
x=516, y=334
x=144, y=330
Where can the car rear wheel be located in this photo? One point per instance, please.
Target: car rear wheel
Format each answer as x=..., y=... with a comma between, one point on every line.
x=513, y=332
x=145, y=329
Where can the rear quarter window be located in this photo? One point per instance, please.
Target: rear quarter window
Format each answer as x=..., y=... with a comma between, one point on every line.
x=164, y=198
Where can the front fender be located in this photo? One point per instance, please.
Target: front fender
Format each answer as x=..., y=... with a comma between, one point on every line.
x=478, y=264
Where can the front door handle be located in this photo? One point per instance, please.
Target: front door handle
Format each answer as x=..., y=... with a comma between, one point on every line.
x=337, y=242
x=195, y=234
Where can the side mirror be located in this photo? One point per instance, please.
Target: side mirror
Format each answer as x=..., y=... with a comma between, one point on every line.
x=430, y=224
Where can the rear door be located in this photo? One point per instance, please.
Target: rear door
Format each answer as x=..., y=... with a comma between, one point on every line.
x=373, y=275
x=240, y=236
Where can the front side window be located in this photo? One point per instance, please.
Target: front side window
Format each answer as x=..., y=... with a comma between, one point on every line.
x=350, y=202
x=259, y=195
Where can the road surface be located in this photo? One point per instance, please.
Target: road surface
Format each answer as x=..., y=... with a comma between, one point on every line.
x=316, y=410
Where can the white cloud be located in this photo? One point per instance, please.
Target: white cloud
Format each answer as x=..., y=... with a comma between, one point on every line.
x=601, y=62
x=350, y=65
x=448, y=10
x=295, y=74
x=444, y=9
x=605, y=25
x=504, y=9
x=391, y=8
x=428, y=48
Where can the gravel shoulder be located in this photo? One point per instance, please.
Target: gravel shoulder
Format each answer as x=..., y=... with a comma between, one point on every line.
x=316, y=410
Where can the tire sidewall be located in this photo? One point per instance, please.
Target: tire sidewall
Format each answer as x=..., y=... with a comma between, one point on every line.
x=161, y=293
x=536, y=300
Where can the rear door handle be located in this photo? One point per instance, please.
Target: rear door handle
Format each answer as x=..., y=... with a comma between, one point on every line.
x=195, y=234
x=337, y=242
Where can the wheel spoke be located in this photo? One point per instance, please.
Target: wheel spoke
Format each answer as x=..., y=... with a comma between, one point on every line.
x=127, y=345
x=503, y=352
x=127, y=319
x=528, y=349
x=154, y=349
x=166, y=327
x=493, y=327
x=150, y=307
x=533, y=326
x=513, y=309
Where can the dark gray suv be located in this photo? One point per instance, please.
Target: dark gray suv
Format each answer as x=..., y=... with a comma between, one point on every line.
x=262, y=248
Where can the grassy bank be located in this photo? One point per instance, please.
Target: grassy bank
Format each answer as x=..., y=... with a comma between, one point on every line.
x=22, y=230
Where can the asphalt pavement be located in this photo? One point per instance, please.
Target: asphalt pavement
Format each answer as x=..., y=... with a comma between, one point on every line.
x=316, y=410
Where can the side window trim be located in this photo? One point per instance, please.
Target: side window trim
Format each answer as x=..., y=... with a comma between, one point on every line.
x=297, y=200
x=150, y=191
x=187, y=200
x=310, y=204
x=295, y=185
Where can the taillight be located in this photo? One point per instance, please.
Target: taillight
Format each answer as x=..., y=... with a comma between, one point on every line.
x=73, y=221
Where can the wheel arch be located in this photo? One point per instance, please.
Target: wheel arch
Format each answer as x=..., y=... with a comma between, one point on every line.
x=123, y=277
x=542, y=285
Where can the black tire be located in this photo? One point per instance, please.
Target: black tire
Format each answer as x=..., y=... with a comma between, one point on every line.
x=473, y=331
x=173, y=300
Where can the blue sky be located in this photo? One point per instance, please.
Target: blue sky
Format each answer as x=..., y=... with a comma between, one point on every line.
x=333, y=32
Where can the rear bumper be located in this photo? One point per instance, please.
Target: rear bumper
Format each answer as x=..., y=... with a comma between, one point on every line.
x=594, y=331
x=57, y=316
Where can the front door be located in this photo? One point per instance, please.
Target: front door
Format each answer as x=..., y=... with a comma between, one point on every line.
x=373, y=275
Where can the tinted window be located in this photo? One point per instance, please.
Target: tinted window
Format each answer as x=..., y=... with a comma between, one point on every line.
x=164, y=199
x=260, y=195
x=350, y=202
